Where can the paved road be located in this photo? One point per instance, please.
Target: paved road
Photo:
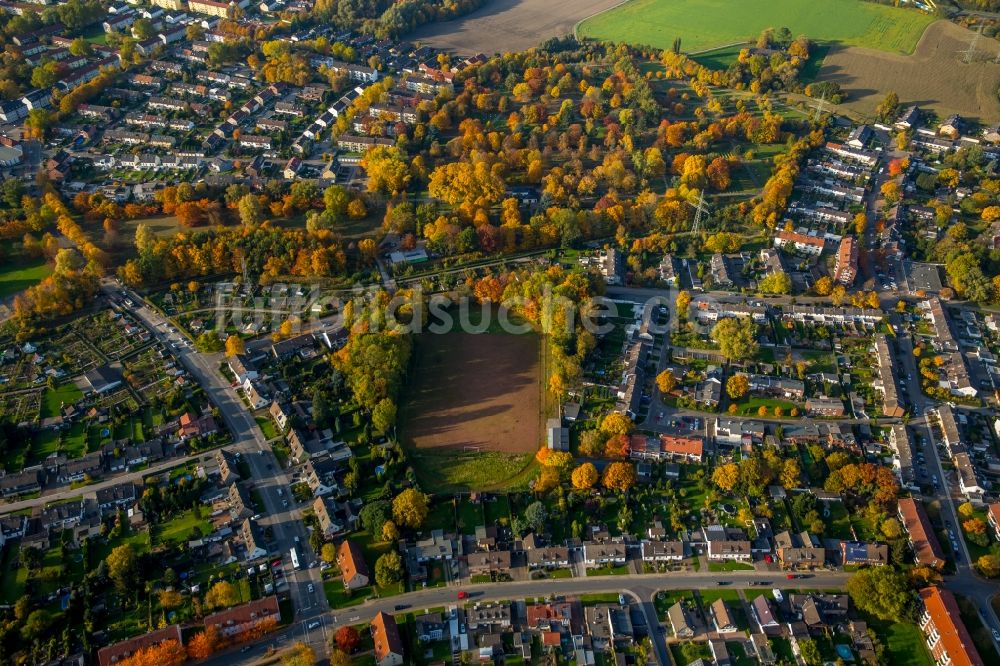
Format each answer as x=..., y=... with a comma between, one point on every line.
x=641, y=588
x=281, y=515
x=69, y=493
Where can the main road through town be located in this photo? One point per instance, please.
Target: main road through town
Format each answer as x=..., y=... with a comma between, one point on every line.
x=305, y=586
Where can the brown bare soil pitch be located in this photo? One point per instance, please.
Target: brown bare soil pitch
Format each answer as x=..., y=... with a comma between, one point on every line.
x=935, y=77
x=474, y=393
x=509, y=25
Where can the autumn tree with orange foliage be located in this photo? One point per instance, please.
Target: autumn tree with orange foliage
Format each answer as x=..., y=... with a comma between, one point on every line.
x=167, y=653
x=619, y=476
x=205, y=643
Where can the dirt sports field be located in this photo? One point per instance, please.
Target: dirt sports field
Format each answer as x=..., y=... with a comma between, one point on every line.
x=472, y=391
x=509, y=25
x=934, y=77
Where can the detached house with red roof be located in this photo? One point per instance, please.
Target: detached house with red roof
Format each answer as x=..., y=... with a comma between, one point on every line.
x=353, y=568
x=388, y=643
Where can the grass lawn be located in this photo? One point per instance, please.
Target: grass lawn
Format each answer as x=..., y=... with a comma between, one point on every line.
x=729, y=566
x=12, y=578
x=904, y=643
x=838, y=523
x=457, y=471
x=751, y=406
x=337, y=597
x=267, y=427
x=608, y=571
x=470, y=516
x=19, y=277
x=704, y=24
x=599, y=598
x=180, y=528
x=53, y=399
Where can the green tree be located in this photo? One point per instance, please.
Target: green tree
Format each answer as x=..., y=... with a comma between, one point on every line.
x=736, y=338
x=374, y=514
x=222, y=595
x=251, y=210
x=535, y=516
x=775, y=282
x=410, y=508
x=810, y=652
x=123, y=567
x=388, y=569
x=888, y=107
x=384, y=415
x=881, y=591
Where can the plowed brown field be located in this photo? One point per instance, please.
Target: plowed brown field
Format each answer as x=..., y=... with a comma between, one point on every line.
x=934, y=77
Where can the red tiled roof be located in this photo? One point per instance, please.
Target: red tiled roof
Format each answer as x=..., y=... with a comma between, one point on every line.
x=926, y=548
x=688, y=446
x=386, y=636
x=955, y=639
x=113, y=653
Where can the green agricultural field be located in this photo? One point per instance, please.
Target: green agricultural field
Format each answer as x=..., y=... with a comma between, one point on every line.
x=707, y=24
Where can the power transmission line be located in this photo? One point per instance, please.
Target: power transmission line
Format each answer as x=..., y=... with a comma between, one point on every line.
x=970, y=53
x=700, y=211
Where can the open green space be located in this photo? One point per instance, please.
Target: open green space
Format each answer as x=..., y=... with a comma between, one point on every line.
x=182, y=528
x=18, y=277
x=903, y=642
x=474, y=471
x=53, y=399
x=704, y=24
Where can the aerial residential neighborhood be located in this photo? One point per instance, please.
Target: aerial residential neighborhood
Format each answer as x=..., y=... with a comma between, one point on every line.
x=419, y=332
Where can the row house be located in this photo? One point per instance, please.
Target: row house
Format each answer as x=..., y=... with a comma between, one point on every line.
x=321, y=476
x=886, y=386
x=121, y=651
x=792, y=389
x=119, y=496
x=923, y=541
x=256, y=142
x=820, y=406
x=662, y=551
x=968, y=478
x=846, y=269
x=799, y=551
x=328, y=516
x=947, y=637
x=859, y=553
x=20, y=483
x=548, y=557
x=817, y=314
x=253, y=540
x=902, y=453
x=396, y=114
x=737, y=432
x=360, y=144
x=488, y=562
x=604, y=554
x=166, y=67
x=801, y=242
x=866, y=157
x=242, y=619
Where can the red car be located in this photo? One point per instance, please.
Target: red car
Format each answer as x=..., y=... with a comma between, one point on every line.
x=463, y=595
x=790, y=576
